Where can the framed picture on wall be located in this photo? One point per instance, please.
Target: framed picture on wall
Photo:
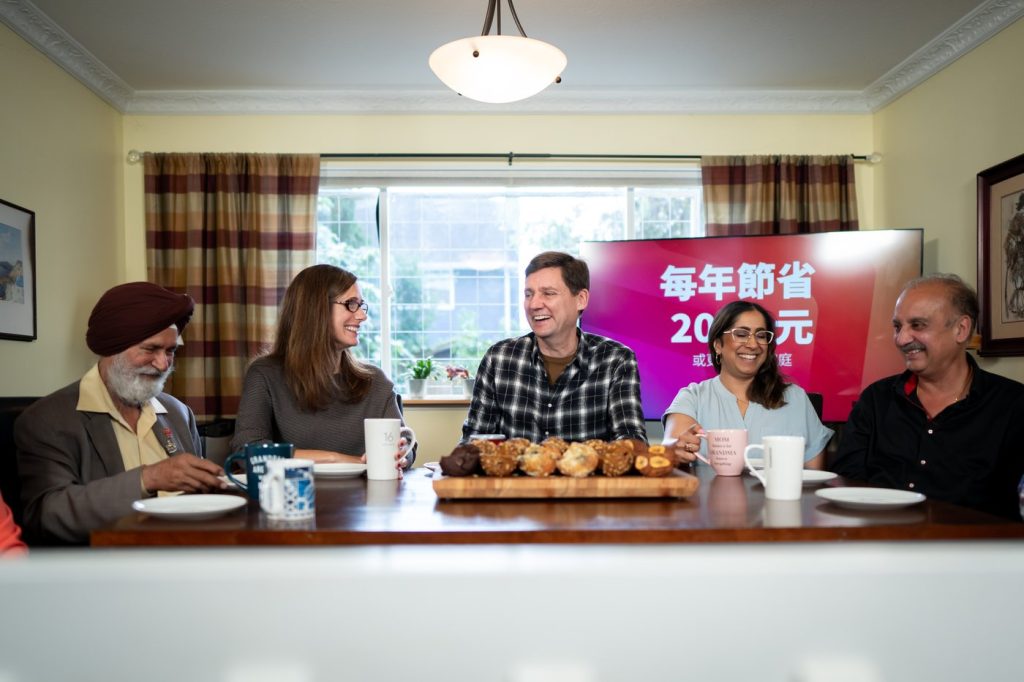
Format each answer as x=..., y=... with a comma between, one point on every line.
x=17, y=272
x=1001, y=258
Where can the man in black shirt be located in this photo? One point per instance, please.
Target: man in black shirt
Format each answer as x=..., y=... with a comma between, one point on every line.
x=945, y=427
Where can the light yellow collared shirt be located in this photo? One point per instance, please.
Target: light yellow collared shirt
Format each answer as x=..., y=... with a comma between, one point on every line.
x=138, y=447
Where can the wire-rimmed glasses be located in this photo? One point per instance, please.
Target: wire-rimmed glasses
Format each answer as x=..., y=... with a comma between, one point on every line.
x=762, y=336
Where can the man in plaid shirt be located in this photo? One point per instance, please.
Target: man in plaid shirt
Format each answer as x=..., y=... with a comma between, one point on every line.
x=557, y=380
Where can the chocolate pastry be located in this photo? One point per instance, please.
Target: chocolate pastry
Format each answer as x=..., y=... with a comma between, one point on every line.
x=656, y=461
x=464, y=460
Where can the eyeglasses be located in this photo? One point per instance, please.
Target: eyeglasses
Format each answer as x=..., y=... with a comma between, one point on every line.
x=741, y=335
x=353, y=305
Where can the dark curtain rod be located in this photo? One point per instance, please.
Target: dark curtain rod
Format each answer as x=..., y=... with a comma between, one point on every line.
x=512, y=156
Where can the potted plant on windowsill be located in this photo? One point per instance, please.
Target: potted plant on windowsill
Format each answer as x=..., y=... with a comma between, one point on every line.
x=420, y=373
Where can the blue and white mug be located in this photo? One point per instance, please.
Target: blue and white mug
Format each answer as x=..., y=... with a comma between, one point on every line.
x=287, y=491
x=256, y=456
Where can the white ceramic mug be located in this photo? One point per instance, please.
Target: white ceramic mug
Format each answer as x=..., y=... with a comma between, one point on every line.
x=782, y=514
x=287, y=491
x=783, y=466
x=381, y=439
x=382, y=493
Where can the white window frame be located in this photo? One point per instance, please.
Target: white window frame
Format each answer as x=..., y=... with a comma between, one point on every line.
x=382, y=175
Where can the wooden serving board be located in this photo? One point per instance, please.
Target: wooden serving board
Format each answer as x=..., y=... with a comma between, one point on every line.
x=677, y=484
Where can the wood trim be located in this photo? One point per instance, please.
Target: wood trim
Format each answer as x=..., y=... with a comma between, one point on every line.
x=438, y=402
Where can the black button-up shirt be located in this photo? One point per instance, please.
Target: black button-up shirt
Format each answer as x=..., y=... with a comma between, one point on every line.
x=971, y=453
x=597, y=396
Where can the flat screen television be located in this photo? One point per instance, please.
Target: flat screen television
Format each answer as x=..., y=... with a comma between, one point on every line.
x=832, y=295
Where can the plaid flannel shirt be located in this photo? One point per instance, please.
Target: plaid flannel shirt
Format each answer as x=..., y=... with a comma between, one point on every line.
x=597, y=396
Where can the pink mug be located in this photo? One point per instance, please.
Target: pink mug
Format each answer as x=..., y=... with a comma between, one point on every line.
x=725, y=450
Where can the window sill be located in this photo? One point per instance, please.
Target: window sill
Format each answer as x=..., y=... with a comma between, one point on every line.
x=439, y=401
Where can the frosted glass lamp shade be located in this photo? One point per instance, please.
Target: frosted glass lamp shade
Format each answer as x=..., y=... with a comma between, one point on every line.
x=507, y=68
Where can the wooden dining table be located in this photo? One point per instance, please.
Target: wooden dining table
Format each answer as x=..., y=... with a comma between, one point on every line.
x=724, y=509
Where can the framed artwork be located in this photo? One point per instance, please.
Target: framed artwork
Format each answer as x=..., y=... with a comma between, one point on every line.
x=17, y=272
x=1001, y=258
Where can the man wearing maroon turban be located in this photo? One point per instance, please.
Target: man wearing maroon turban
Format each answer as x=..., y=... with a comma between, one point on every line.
x=90, y=449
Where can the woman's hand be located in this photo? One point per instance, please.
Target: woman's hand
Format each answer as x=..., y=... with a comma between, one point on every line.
x=682, y=436
x=401, y=462
x=401, y=457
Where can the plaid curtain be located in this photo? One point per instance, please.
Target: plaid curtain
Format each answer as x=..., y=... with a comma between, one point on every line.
x=232, y=230
x=778, y=194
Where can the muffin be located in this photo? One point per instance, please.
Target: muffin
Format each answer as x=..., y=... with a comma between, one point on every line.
x=578, y=461
x=485, y=447
x=616, y=458
x=464, y=460
x=555, y=442
x=538, y=460
x=635, y=445
x=496, y=461
x=517, y=445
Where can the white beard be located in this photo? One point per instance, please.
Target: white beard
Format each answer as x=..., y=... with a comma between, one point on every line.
x=135, y=386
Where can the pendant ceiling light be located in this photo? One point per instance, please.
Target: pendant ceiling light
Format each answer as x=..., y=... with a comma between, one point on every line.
x=498, y=69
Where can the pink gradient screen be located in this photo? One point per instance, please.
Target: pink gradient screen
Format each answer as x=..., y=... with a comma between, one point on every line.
x=832, y=295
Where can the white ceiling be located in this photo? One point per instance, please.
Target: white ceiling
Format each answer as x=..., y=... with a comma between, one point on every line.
x=309, y=56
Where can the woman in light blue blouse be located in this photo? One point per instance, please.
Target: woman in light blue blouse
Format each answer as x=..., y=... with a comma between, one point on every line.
x=748, y=393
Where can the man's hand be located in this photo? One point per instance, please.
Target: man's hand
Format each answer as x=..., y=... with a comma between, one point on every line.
x=185, y=473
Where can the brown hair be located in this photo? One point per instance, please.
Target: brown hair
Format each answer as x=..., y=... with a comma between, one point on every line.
x=316, y=373
x=769, y=384
x=575, y=272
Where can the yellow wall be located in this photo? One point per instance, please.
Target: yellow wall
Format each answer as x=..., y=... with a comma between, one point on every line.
x=936, y=138
x=437, y=428
x=60, y=156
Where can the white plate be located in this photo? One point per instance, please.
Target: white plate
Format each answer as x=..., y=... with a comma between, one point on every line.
x=433, y=466
x=339, y=469
x=870, y=498
x=231, y=484
x=814, y=477
x=189, y=507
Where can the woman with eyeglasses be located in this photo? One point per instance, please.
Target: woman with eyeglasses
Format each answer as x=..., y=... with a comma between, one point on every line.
x=748, y=393
x=309, y=390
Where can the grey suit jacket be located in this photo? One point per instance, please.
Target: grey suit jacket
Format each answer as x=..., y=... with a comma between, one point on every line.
x=72, y=476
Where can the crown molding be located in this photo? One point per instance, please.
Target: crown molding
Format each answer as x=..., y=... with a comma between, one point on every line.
x=29, y=22
x=443, y=101
x=38, y=29
x=970, y=32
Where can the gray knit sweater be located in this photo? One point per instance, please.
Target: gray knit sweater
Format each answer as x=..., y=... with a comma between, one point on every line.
x=269, y=412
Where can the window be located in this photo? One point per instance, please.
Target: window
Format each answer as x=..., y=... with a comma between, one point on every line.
x=441, y=264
